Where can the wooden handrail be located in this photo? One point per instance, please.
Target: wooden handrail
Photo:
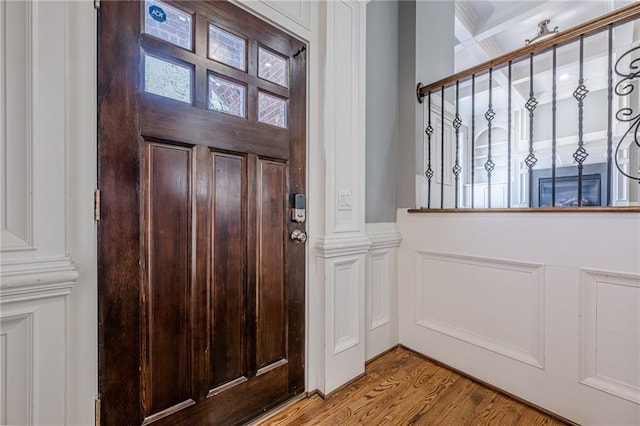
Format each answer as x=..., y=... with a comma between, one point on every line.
x=617, y=17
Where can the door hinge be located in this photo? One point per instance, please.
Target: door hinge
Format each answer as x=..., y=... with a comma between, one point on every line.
x=96, y=4
x=96, y=205
x=97, y=412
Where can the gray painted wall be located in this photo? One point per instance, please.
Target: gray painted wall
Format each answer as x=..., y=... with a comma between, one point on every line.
x=407, y=42
x=382, y=110
x=407, y=105
x=426, y=55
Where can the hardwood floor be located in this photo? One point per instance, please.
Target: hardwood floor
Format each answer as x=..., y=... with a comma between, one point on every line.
x=402, y=388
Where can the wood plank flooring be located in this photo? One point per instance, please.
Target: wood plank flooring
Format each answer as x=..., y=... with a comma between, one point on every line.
x=402, y=388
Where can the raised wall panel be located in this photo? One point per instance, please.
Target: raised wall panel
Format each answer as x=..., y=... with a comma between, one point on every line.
x=296, y=10
x=346, y=315
x=608, y=303
x=167, y=290
x=16, y=369
x=228, y=289
x=16, y=125
x=381, y=294
x=346, y=117
x=494, y=304
x=344, y=326
x=379, y=288
x=271, y=307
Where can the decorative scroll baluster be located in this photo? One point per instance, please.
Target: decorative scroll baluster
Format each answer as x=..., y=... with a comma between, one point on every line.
x=531, y=104
x=429, y=172
x=610, y=115
x=580, y=94
x=489, y=165
x=442, y=149
x=554, y=95
x=457, y=122
x=625, y=87
x=473, y=139
x=509, y=139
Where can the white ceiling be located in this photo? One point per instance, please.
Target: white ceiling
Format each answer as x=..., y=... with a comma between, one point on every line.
x=485, y=29
x=488, y=28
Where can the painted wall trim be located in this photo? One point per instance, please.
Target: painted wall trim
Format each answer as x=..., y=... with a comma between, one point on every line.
x=383, y=235
x=534, y=355
x=591, y=354
x=37, y=279
x=342, y=245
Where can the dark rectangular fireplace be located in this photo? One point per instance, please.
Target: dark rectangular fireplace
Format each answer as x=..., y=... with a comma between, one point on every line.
x=567, y=191
x=594, y=184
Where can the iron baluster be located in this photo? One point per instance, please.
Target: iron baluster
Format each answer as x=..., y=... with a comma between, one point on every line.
x=489, y=165
x=554, y=95
x=509, y=139
x=625, y=87
x=442, y=150
x=610, y=115
x=429, y=172
x=457, y=122
x=531, y=104
x=473, y=139
x=580, y=94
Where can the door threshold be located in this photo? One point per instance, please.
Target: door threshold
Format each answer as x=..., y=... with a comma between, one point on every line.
x=278, y=408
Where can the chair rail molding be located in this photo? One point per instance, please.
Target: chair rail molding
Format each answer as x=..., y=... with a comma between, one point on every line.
x=342, y=245
x=36, y=279
x=383, y=235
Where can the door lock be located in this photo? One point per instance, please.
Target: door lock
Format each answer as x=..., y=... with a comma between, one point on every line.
x=299, y=236
x=299, y=212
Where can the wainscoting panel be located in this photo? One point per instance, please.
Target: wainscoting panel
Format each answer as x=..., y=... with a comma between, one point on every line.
x=467, y=298
x=298, y=11
x=16, y=369
x=607, y=303
x=33, y=359
x=381, y=290
x=346, y=327
x=16, y=139
x=346, y=33
x=543, y=306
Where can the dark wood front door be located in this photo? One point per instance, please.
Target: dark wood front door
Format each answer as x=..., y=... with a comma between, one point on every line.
x=201, y=146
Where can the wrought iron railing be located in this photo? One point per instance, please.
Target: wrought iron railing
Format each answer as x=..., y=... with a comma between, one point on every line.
x=489, y=156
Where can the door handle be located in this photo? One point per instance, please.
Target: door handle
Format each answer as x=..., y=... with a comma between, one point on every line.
x=299, y=236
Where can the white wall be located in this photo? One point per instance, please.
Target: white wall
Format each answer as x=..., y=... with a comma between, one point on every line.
x=48, y=316
x=544, y=306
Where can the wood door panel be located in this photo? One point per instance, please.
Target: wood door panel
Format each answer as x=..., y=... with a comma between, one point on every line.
x=201, y=292
x=231, y=406
x=166, y=287
x=272, y=195
x=174, y=120
x=228, y=288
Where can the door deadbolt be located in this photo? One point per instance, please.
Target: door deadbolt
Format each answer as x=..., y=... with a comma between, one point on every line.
x=299, y=236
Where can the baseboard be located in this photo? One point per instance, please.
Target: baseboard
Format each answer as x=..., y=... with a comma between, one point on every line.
x=381, y=354
x=492, y=387
x=333, y=392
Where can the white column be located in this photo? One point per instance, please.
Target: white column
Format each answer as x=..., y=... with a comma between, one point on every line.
x=342, y=248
